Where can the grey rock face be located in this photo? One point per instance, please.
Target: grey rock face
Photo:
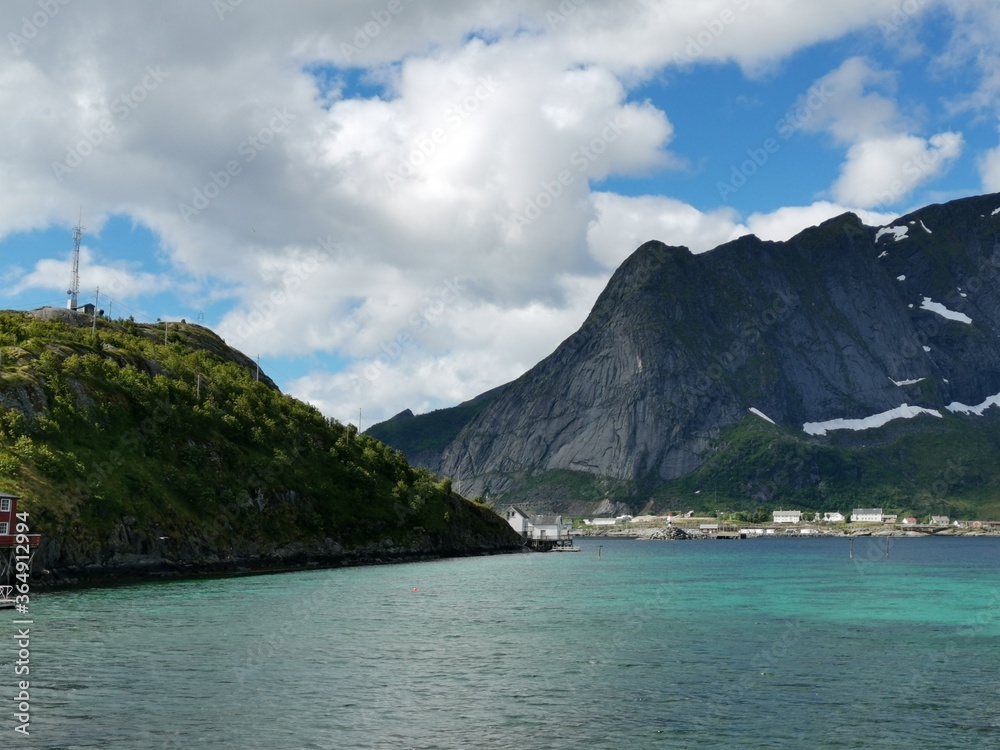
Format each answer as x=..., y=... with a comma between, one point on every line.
x=835, y=323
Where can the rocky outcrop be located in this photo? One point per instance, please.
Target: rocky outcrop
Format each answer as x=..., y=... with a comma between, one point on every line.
x=843, y=321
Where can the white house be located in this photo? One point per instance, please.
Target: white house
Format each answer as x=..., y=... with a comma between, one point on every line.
x=939, y=520
x=833, y=517
x=538, y=528
x=601, y=522
x=867, y=515
x=517, y=519
x=787, y=516
x=548, y=527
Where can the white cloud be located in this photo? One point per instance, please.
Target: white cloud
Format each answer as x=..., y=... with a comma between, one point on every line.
x=622, y=224
x=470, y=156
x=121, y=282
x=842, y=103
x=989, y=170
x=784, y=223
x=450, y=348
x=884, y=171
x=884, y=162
x=974, y=47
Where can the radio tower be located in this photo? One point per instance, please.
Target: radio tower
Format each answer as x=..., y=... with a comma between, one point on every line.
x=74, y=281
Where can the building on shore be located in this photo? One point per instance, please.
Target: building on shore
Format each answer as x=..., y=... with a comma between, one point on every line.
x=833, y=517
x=867, y=515
x=787, y=516
x=540, y=532
x=13, y=546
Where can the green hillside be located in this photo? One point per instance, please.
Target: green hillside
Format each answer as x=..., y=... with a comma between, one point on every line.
x=904, y=468
x=123, y=445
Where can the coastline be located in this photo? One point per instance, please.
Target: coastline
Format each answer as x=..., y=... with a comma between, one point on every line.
x=149, y=569
x=676, y=532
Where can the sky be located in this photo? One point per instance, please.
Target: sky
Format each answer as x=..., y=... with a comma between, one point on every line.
x=401, y=204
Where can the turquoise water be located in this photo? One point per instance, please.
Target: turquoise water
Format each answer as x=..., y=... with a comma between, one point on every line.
x=749, y=644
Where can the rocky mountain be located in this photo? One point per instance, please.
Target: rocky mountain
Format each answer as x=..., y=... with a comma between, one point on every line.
x=141, y=451
x=728, y=371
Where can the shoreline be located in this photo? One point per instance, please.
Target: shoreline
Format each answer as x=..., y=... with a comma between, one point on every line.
x=161, y=570
x=693, y=533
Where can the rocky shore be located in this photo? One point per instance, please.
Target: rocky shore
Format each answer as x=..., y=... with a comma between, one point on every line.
x=134, y=553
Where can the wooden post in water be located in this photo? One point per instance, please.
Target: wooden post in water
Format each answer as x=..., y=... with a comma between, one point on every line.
x=852, y=547
x=599, y=551
x=887, y=546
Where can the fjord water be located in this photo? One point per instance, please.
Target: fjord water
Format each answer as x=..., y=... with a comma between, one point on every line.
x=626, y=644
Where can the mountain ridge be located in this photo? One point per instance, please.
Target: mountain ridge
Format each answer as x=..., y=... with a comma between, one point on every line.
x=842, y=321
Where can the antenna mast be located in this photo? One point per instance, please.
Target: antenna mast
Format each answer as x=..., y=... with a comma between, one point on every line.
x=74, y=281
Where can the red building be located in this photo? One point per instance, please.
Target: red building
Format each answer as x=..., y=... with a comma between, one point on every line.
x=8, y=522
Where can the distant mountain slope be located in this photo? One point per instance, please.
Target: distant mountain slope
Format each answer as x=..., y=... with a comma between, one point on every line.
x=843, y=321
x=133, y=456
x=425, y=439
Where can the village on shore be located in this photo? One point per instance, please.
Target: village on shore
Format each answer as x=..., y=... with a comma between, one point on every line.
x=784, y=523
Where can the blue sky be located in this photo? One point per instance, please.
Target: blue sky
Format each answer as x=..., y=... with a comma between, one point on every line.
x=398, y=205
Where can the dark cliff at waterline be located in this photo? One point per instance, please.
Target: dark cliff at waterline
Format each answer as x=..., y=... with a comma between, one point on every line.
x=135, y=457
x=649, y=402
